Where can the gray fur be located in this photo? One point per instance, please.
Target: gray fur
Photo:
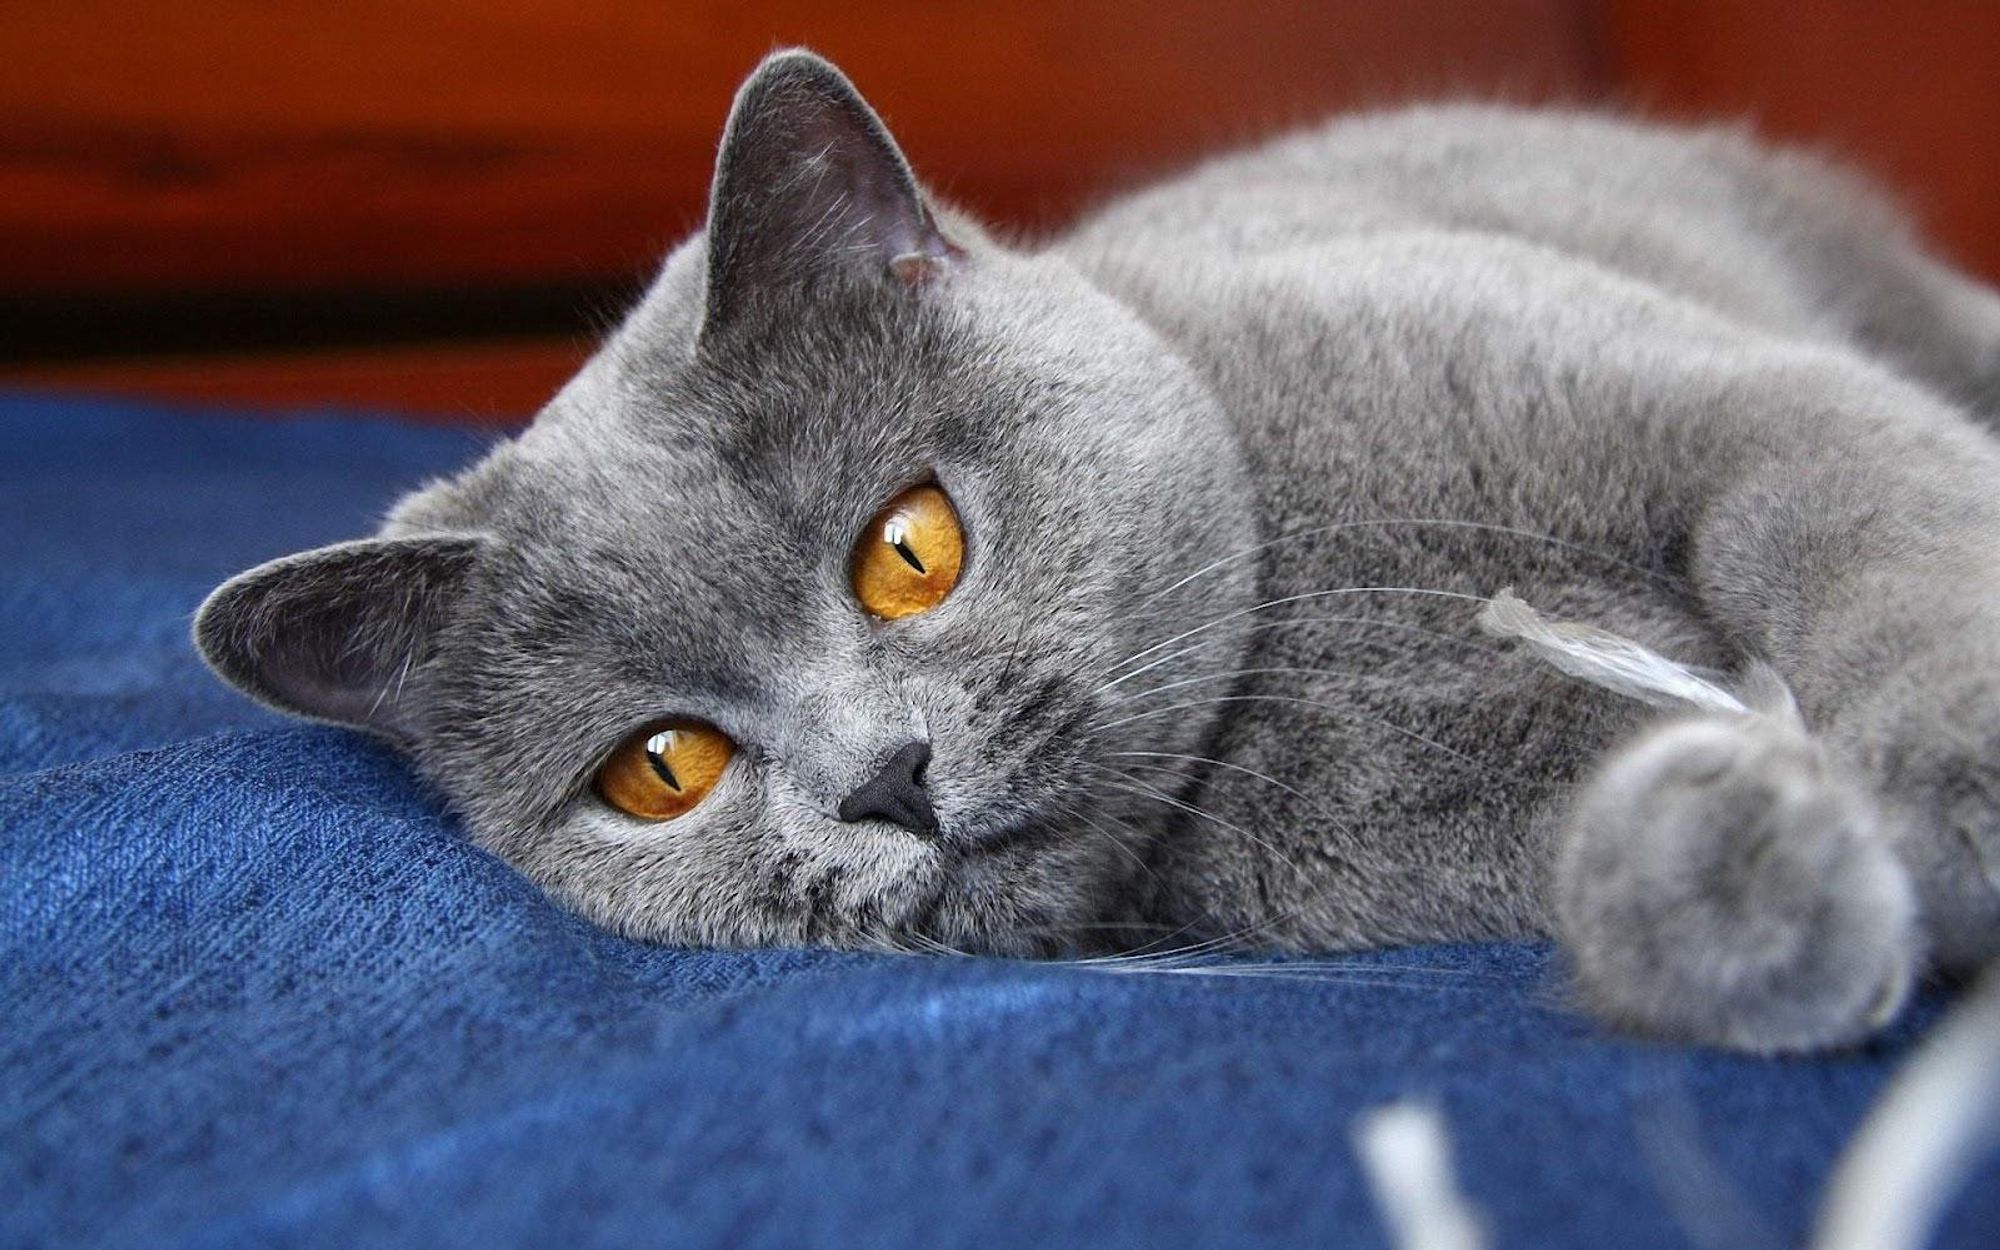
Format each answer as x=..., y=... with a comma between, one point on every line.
x=1238, y=459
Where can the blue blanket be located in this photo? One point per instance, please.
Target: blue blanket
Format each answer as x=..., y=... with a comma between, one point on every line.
x=258, y=991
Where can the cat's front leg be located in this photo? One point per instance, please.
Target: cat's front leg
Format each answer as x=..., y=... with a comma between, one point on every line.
x=1774, y=885
x=1875, y=590
x=1924, y=730
x=1723, y=879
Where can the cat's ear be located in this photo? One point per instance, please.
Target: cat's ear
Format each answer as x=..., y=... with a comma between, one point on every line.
x=808, y=185
x=331, y=634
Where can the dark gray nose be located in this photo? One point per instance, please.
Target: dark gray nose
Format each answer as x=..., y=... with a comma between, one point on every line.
x=896, y=792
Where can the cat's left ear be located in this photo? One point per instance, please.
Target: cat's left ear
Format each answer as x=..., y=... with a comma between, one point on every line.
x=808, y=186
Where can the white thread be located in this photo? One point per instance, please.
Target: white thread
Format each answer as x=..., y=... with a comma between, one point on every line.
x=1406, y=1153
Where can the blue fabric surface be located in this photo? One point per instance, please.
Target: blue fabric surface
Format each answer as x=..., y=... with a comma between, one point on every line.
x=258, y=992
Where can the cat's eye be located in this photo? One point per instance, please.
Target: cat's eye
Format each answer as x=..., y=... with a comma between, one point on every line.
x=908, y=558
x=663, y=770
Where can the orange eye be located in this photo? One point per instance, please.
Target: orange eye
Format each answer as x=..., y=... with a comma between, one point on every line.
x=907, y=560
x=665, y=769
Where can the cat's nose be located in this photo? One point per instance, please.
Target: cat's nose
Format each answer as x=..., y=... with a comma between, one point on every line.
x=896, y=792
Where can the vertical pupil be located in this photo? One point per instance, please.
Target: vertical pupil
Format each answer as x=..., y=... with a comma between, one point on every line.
x=658, y=747
x=898, y=536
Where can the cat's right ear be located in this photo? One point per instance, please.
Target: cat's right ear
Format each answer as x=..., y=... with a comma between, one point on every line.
x=331, y=634
x=809, y=185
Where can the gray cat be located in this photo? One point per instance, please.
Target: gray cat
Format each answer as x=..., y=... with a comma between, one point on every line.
x=884, y=583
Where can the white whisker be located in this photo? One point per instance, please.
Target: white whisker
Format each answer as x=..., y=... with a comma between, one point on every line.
x=1134, y=786
x=1206, y=759
x=1303, y=597
x=1374, y=622
x=1362, y=714
x=1257, y=672
x=1114, y=840
x=1441, y=523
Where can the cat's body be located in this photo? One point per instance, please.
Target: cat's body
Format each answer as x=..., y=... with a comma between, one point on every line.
x=1564, y=327
x=1238, y=461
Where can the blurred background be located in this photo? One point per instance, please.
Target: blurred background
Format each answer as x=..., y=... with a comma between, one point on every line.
x=434, y=206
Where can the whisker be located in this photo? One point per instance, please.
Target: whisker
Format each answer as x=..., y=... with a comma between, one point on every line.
x=1184, y=962
x=1158, y=944
x=1373, y=621
x=1278, y=972
x=1491, y=770
x=1113, y=839
x=1438, y=522
x=1222, y=942
x=1135, y=786
x=1287, y=964
x=933, y=946
x=1261, y=672
x=1207, y=759
x=1317, y=807
x=1302, y=597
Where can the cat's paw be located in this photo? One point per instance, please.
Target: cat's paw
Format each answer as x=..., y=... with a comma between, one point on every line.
x=1719, y=882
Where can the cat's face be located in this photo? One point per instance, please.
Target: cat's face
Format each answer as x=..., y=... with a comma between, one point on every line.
x=675, y=541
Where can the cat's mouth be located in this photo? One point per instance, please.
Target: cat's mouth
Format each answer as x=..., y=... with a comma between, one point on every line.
x=1005, y=824
x=1009, y=838
x=1035, y=885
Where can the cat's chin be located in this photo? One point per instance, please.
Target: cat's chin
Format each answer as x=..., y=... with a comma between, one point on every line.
x=1032, y=890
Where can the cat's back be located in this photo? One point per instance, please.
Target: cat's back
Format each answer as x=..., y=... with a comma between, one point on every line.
x=1704, y=214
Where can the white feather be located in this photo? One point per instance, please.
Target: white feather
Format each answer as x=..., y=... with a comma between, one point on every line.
x=1605, y=659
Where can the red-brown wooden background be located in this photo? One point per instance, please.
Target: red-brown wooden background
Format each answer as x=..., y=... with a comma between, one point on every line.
x=265, y=166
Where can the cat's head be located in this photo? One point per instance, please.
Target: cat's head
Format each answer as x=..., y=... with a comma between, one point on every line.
x=830, y=557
